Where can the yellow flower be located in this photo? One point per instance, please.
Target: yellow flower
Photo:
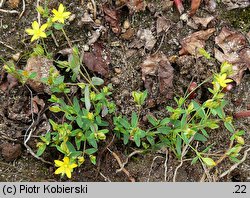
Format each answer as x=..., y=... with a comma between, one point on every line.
x=60, y=15
x=37, y=32
x=90, y=116
x=64, y=167
x=222, y=80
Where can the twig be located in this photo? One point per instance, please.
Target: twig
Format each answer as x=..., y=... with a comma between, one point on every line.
x=94, y=7
x=126, y=161
x=38, y=13
x=120, y=164
x=9, y=11
x=105, y=178
x=162, y=39
x=8, y=46
x=24, y=7
x=30, y=129
x=7, y=138
x=166, y=166
x=235, y=165
x=54, y=39
x=151, y=167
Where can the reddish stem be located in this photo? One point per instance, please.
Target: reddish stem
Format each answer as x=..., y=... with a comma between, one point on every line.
x=242, y=114
x=178, y=4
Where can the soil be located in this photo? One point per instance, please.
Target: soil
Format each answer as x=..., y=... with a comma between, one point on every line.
x=16, y=164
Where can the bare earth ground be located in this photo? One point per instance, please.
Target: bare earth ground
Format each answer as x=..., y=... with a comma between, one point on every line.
x=125, y=74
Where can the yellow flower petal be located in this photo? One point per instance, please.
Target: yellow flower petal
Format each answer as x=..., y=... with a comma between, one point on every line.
x=43, y=27
x=68, y=173
x=43, y=35
x=66, y=14
x=61, y=8
x=55, y=12
x=35, y=25
x=35, y=37
x=72, y=166
x=58, y=163
x=59, y=170
x=29, y=31
x=66, y=160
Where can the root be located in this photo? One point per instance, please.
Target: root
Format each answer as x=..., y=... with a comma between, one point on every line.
x=120, y=164
x=24, y=7
x=151, y=167
x=126, y=161
x=235, y=165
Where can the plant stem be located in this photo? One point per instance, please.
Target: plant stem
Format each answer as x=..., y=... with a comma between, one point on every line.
x=67, y=38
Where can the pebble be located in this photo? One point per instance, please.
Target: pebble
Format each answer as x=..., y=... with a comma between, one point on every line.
x=126, y=24
x=16, y=56
x=72, y=17
x=118, y=70
x=115, y=81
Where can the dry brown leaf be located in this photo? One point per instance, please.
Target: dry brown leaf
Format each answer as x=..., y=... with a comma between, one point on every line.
x=158, y=65
x=192, y=43
x=203, y=21
x=8, y=83
x=98, y=60
x=133, y=5
x=235, y=50
x=162, y=24
x=233, y=4
x=112, y=17
x=147, y=37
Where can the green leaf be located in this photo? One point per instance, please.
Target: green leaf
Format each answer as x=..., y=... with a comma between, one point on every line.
x=164, y=130
x=41, y=149
x=86, y=98
x=137, y=139
x=134, y=119
x=152, y=120
x=58, y=26
x=92, y=159
x=76, y=105
x=208, y=161
x=165, y=121
x=178, y=146
x=204, y=132
x=194, y=160
x=151, y=140
x=70, y=147
x=143, y=97
x=200, y=137
x=32, y=75
x=124, y=123
x=90, y=151
x=204, y=53
x=97, y=81
x=229, y=126
x=55, y=109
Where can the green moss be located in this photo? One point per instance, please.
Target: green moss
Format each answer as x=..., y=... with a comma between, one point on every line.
x=239, y=18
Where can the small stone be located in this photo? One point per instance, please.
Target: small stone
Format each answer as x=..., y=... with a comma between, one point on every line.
x=72, y=17
x=98, y=22
x=118, y=70
x=126, y=24
x=16, y=56
x=41, y=66
x=11, y=151
x=115, y=81
x=86, y=48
